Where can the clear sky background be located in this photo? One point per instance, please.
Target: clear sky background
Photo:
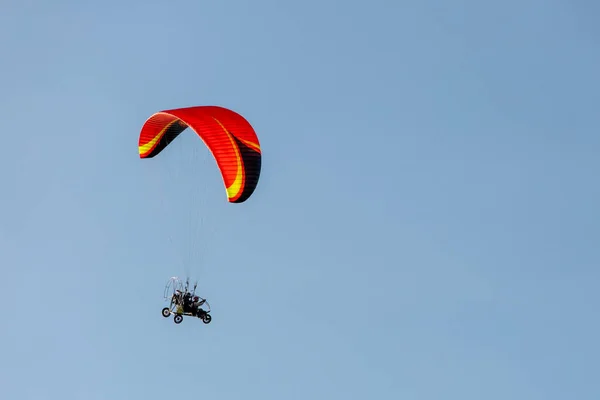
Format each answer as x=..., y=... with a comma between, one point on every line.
x=426, y=225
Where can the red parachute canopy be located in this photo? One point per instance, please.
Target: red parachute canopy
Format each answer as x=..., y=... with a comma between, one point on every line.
x=230, y=138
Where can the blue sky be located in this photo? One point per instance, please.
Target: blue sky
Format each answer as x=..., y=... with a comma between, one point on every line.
x=425, y=226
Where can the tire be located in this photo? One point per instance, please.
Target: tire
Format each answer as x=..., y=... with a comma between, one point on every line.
x=166, y=312
x=178, y=318
x=206, y=318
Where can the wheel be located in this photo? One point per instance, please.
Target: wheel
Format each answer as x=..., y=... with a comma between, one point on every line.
x=166, y=312
x=206, y=318
x=178, y=319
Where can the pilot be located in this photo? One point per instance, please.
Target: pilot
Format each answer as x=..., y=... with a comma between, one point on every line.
x=197, y=304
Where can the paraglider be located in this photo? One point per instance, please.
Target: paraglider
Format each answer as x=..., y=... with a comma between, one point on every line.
x=235, y=147
x=230, y=138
